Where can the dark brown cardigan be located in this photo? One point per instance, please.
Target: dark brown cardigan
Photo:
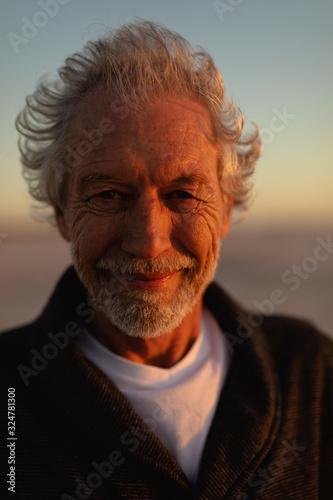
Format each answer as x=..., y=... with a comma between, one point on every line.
x=78, y=436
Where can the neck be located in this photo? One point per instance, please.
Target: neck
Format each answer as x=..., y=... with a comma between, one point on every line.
x=163, y=351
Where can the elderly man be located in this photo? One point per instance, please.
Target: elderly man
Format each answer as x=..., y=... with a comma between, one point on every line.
x=140, y=378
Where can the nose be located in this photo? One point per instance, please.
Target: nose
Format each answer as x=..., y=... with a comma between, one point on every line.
x=147, y=234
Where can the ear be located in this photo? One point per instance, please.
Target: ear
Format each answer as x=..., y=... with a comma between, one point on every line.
x=227, y=217
x=61, y=223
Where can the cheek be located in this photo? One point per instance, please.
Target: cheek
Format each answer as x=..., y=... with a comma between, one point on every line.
x=199, y=233
x=92, y=234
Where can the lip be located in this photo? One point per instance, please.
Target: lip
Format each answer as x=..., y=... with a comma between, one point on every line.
x=149, y=280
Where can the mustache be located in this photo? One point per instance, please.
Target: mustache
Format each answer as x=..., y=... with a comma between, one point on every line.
x=123, y=264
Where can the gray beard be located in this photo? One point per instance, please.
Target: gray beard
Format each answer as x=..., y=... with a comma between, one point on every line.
x=143, y=313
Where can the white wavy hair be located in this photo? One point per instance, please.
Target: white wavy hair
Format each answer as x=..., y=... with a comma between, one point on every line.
x=137, y=64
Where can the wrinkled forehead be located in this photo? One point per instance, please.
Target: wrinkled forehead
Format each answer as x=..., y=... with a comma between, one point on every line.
x=101, y=115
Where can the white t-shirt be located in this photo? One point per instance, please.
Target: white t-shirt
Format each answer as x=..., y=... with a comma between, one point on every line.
x=178, y=403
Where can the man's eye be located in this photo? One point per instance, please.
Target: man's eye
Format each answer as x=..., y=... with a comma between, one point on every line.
x=110, y=194
x=102, y=201
x=181, y=201
x=179, y=194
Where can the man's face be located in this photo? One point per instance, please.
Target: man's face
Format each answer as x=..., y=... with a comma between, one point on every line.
x=144, y=212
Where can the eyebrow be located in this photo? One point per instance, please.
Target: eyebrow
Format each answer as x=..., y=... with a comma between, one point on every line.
x=190, y=178
x=181, y=179
x=98, y=177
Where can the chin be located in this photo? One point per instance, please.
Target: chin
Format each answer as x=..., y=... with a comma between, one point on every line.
x=145, y=315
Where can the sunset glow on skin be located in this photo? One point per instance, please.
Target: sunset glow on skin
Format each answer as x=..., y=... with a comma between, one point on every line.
x=153, y=195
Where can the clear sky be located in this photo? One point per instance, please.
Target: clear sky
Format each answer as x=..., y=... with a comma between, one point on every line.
x=275, y=58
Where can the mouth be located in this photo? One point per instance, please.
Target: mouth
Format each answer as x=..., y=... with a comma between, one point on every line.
x=145, y=281
x=149, y=280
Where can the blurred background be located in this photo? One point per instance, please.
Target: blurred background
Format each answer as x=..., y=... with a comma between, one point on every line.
x=276, y=61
